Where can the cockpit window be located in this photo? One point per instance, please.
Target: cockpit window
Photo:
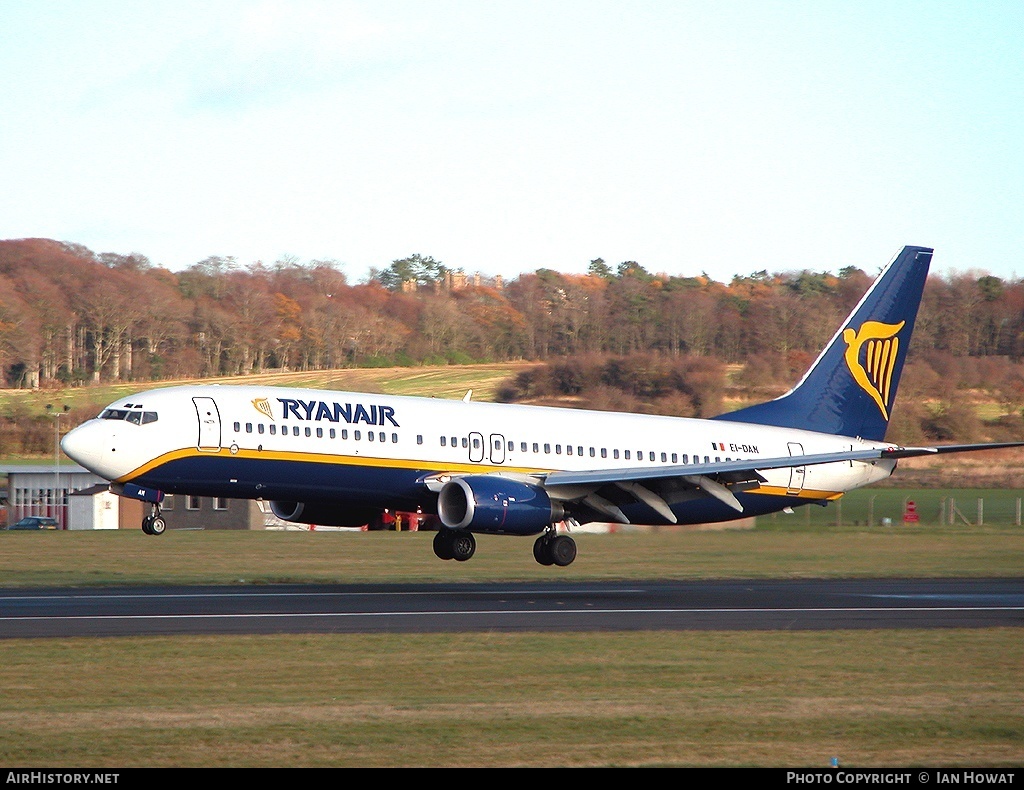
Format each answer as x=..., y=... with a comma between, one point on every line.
x=136, y=417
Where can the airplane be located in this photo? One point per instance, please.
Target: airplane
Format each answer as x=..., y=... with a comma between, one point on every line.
x=341, y=458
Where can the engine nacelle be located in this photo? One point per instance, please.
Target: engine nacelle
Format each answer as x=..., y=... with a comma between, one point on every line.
x=327, y=514
x=487, y=503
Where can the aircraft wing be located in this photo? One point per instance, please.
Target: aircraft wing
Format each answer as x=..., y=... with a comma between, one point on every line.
x=749, y=465
x=717, y=479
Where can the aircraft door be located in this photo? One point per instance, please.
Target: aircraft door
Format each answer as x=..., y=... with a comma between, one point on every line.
x=476, y=447
x=796, y=473
x=497, y=447
x=209, y=424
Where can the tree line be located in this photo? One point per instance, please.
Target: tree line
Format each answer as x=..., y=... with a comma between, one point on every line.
x=69, y=316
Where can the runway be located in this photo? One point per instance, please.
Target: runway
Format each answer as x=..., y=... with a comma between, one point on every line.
x=586, y=606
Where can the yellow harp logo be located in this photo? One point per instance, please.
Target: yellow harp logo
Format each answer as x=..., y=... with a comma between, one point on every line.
x=873, y=370
x=263, y=407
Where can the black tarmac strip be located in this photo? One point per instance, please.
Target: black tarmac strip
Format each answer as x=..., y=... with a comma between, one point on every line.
x=557, y=606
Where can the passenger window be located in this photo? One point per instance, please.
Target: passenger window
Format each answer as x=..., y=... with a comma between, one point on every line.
x=308, y=432
x=344, y=433
x=248, y=427
x=382, y=436
x=465, y=442
x=604, y=452
x=319, y=432
x=558, y=449
x=664, y=457
x=536, y=447
x=615, y=454
x=568, y=449
x=547, y=447
x=333, y=434
x=357, y=435
x=273, y=430
x=626, y=455
x=260, y=428
x=444, y=441
x=369, y=436
x=394, y=438
x=419, y=438
x=238, y=427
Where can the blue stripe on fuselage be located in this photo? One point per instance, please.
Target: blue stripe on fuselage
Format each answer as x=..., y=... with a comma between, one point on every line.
x=383, y=487
x=304, y=481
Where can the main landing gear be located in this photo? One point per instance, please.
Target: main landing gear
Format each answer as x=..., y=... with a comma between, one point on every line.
x=454, y=544
x=154, y=523
x=552, y=549
x=549, y=549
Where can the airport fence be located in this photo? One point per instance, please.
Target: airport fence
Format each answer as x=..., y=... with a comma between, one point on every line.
x=904, y=507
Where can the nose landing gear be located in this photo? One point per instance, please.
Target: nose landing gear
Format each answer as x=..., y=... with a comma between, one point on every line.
x=154, y=523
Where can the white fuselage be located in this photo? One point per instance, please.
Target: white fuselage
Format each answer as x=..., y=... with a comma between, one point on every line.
x=283, y=443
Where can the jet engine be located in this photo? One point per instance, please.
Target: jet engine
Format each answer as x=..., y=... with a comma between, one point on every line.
x=488, y=503
x=327, y=514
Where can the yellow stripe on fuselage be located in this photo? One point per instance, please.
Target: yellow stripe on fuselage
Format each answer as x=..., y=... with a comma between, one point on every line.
x=325, y=458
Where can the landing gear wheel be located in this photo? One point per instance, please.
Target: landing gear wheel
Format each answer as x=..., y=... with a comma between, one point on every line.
x=562, y=550
x=541, y=552
x=154, y=523
x=463, y=545
x=559, y=550
x=443, y=544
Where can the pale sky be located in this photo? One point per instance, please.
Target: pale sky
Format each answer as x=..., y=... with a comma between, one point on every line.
x=501, y=137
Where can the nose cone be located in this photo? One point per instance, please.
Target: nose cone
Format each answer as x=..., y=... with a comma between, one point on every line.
x=85, y=446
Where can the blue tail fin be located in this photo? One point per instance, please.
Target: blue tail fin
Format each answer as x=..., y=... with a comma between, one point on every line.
x=850, y=388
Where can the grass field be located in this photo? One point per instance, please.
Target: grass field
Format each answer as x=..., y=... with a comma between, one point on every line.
x=871, y=698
